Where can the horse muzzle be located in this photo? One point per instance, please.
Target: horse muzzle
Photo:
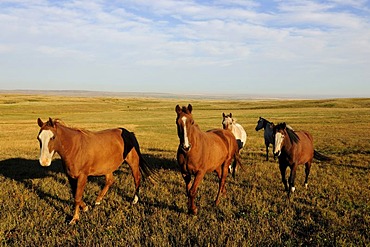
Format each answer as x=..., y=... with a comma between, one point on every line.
x=277, y=154
x=186, y=148
x=45, y=162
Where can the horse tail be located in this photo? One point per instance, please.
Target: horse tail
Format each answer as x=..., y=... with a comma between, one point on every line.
x=237, y=162
x=130, y=142
x=320, y=157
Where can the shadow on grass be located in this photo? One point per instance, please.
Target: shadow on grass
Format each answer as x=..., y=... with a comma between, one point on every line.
x=21, y=169
x=341, y=164
x=25, y=170
x=161, y=163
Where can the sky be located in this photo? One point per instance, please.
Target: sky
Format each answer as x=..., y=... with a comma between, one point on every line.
x=277, y=47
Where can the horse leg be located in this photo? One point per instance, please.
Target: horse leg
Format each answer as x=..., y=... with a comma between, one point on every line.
x=307, y=171
x=109, y=180
x=222, y=174
x=81, y=183
x=292, y=178
x=273, y=148
x=267, y=152
x=219, y=175
x=187, y=179
x=283, y=167
x=193, y=192
x=133, y=161
x=73, y=184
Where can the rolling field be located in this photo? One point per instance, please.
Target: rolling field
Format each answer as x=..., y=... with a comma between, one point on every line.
x=36, y=203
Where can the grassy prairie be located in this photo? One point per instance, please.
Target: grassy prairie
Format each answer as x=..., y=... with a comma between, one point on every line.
x=36, y=203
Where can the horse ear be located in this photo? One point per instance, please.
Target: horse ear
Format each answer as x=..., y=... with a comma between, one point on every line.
x=231, y=115
x=50, y=122
x=223, y=115
x=190, y=108
x=284, y=125
x=178, y=109
x=39, y=122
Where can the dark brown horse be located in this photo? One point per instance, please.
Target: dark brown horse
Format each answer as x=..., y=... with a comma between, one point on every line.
x=85, y=153
x=201, y=152
x=294, y=148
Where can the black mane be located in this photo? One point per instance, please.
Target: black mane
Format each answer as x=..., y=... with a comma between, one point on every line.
x=291, y=133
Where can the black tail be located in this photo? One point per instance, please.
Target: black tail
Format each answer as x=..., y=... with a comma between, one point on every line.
x=130, y=141
x=320, y=157
x=236, y=162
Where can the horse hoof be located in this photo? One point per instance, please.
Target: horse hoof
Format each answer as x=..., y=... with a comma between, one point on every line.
x=135, y=200
x=306, y=185
x=97, y=203
x=73, y=221
x=292, y=189
x=193, y=211
x=85, y=209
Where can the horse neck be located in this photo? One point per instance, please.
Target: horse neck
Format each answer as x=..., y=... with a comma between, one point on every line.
x=236, y=130
x=194, y=132
x=66, y=136
x=265, y=123
x=288, y=144
x=267, y=128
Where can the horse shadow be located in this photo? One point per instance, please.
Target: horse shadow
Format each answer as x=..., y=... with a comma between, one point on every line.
x=25, y=170
x=20, y=169
x=162, y=165
x=159, y=163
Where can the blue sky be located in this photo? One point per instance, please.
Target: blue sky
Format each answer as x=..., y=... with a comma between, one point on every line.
x=282, y=47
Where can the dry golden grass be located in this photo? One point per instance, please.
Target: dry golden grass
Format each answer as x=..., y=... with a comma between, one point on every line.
x=35, y=202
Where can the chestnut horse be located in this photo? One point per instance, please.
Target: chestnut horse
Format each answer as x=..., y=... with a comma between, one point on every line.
x=85, y=153
x=294, y=148
x=201, y=152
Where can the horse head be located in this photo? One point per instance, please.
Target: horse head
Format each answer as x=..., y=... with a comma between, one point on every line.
x=46, y=138
x=280, y=131
x=227, y=121
x=262, y=123
x=184, y=121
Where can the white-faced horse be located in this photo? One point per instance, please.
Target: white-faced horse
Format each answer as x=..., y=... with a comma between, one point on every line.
x=294, y=148
x=85, y=153
x=201, y=152
x=228, y=122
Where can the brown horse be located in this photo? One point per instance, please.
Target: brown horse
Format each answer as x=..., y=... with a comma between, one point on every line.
x=85, y=153
x=294, y=148
x=201, y=152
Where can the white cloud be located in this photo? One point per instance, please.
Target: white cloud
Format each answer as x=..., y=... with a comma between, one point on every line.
x=204, y=36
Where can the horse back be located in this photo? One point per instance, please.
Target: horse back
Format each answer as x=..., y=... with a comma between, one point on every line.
x=304, y=148
x=211, y=150
x=240, y=133
x=224, y=141
x=100, y=152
